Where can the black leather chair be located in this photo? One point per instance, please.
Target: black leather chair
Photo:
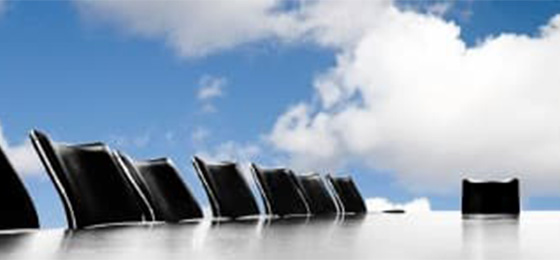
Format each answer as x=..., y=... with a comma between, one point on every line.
x=493, y=198
x=94, y=188
x=319, y=199
x=280, y=193
x=16, y=208
x=168, y=196
x=228, y=192
x=349, y=197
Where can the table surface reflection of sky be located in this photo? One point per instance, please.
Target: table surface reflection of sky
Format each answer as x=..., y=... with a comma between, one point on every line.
x=436, y=235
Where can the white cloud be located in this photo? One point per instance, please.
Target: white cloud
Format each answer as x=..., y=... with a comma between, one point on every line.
x=419, y=205
x=406, y=94
x=233, y=151
x=22, y=156
x=339, y=24
x=138, y=141
x=211, y=87
x=197, y=28
x=199, y=135
x=413, y=99
x=208, y=108
x=440, y=8
x=193, y=28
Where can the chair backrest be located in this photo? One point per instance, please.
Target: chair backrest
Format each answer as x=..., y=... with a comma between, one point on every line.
x=169, y=197
x=281, y=195
x=351, y=201
x=94, y=188
x=319, y=199
x=228, y=192
x=493, y=197
x=16, y=208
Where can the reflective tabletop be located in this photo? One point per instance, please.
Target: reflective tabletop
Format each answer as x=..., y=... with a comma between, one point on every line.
x=435, y=235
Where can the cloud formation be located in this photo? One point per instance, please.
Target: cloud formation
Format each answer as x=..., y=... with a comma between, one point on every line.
x=198, y=28
x=199, y=135
x=406, y=94
x=211, y=87
x=411, y=98
x=22, y=156
x=193, y=28
x=140, y=140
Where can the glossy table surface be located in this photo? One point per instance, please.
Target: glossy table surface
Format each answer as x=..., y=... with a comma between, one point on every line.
x=436, y=235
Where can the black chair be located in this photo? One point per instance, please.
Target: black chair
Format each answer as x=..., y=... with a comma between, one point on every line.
x=349, y=197
x=16, y=208
x=228, y=192
x=280, y=193
x=94, y=188
x=497, y=198
x=168, y=196
x=319, y=199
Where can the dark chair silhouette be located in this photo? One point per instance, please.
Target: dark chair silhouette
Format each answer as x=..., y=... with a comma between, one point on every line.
x=319, y=199
x=490, y=198
x=228, y=192
x=16, y=208
x=349, y=197
x=169, y=197
x=94, y=188
x=280, y=193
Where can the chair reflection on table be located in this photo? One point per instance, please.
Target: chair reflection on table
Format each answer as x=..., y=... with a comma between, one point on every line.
x=496, y=238
x=42, y=245
x=170, y=241
x=289, y=238
x=14, y=243
x=116, y=242
x=490, y=211
x=327, y=225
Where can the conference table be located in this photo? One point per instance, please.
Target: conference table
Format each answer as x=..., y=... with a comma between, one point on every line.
x=433, y=235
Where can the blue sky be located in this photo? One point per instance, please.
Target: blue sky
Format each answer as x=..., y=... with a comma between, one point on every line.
x=85, y=80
